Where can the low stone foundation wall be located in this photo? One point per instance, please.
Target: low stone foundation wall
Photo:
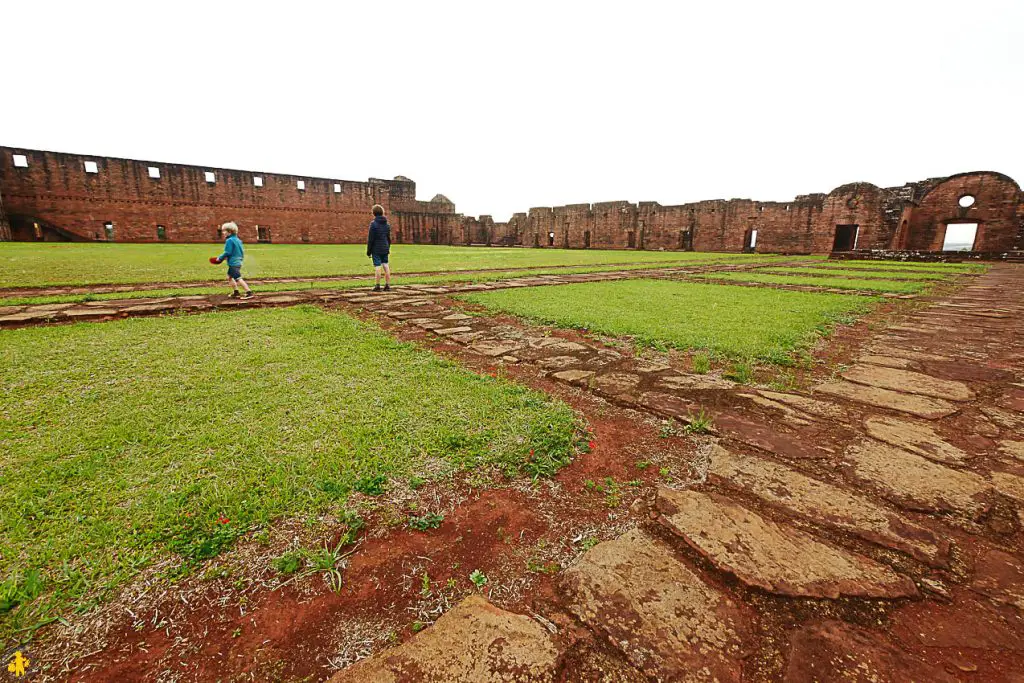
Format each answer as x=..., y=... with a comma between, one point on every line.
x=933, y=256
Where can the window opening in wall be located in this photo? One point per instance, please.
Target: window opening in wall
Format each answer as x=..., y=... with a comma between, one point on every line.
x=966, y=201
x=551, y=239
x=108, y=230
x=960, y=237
x=262, y=233
x=686, y=240
x=631, y=239
x=20, y=161
x=300, y=184
x=91, y=167
x=257, y=181
x=750, y=240
x=337, y=187
x=305, y=236
x=210, y=177
x=154, y=172
x=586, y=239
x=846, y=237
x=37, y=231
x=161, y=232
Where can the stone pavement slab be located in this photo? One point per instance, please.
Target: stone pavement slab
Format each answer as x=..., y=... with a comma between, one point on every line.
x=909, y=382
x=836, y=651
x=822, y=503
x=663, y=617
x=474, y=642
x=915, y=482
x=920, y=406
x=771, y=556
x=916, y=437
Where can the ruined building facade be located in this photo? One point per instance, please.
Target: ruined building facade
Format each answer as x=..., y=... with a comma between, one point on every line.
x=55, y=196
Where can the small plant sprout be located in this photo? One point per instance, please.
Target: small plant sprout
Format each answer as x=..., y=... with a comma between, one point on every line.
x=478, y=578
x=426, y=522
x=425, y=591
x=700, y=423
x=643, y=464
x=701, y=363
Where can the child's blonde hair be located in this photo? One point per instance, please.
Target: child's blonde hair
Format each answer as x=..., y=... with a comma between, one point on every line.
x=231, y=227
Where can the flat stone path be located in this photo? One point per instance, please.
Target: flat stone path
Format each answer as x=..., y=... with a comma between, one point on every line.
x=41, y=314
x=900, y=483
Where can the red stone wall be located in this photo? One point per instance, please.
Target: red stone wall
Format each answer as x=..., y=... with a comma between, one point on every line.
x=56, y=192
x=997, y=210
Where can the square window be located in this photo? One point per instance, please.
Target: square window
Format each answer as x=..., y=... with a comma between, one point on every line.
x=20, y=161
x=257, y=181
x=301, y=184
x=337, y=187
x=90, y=167
x=210, y=177
x=161, y=232
x=154, y=172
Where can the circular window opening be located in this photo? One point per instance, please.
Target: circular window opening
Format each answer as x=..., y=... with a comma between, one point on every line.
x=967, y=200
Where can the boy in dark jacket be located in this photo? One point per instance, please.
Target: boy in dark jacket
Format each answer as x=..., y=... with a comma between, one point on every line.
x=378, y=247
x=233, y=253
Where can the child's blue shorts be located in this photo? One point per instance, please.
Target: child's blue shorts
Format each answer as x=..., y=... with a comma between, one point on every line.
x=234, y=272
x=379, y=259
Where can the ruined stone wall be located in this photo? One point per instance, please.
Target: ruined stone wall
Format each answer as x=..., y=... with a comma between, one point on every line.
x=57, y=192
x=996, y=209
x=5, y=227
x=55, y=197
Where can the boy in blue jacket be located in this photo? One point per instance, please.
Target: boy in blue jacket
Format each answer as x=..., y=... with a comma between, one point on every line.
x=234, y=253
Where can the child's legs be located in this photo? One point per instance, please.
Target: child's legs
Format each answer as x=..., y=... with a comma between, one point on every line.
x=376, y=274
x=240, y=281
x=387, y=274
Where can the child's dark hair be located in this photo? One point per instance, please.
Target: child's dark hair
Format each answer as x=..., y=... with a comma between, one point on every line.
x=378, y=210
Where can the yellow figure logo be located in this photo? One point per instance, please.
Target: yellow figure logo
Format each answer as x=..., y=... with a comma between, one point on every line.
x=18, y=665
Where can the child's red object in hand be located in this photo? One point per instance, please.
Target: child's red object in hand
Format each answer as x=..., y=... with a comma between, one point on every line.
x=214, y=260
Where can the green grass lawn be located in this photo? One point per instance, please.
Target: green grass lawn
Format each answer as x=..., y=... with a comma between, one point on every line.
x=907, y=265
x=488, y=276
x=40, y=264
x=895, y=286
x=743, y=322
x=125, y=442
x=859, y=273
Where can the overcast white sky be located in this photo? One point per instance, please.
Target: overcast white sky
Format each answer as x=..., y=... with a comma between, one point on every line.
x=504, y=106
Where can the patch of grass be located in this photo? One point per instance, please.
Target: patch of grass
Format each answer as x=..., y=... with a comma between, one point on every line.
x=895, y=286
x=742, y=322
x=858, y=273
x=127, y=442
x=373, y=485
x=908, y=266
x=37, y=264
x=701, y=363
x=740, y=372
x=426, y=522
x=288, y=563
x=446, y=279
